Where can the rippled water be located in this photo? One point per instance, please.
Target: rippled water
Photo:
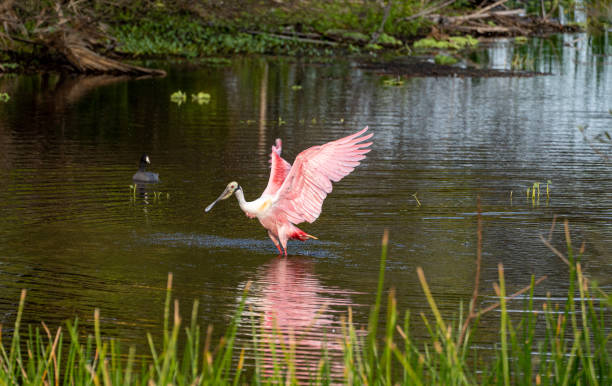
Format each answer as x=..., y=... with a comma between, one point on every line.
x=77, y=238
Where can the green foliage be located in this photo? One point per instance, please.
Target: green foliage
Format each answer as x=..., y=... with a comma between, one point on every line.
x=520, y=40
x=216, y=61
x=183, y=35
x=522, y=62
x=445, y=60
x=352, y=36
x=429, y=43
x=10, y=65
x=460, y=42
x=453, y=43
x=599, y=14
x=4, y=97
x=389, y=40
x=364, y=17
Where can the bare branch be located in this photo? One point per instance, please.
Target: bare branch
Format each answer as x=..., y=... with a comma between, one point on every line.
x=517, y=293
x=555, y=250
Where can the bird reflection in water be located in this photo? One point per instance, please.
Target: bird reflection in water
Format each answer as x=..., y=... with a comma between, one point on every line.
x=294, y=310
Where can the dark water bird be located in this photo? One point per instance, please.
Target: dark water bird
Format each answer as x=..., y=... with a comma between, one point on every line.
x=295, y=193
x=142, y=175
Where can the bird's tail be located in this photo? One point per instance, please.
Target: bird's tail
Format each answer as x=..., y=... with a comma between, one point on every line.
x=299, y=234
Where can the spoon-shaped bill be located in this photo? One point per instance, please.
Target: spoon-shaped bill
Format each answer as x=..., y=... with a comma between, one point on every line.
x=229, y=190
x=209, y=207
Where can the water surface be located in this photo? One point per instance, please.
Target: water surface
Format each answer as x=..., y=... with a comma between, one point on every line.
x=75, y=235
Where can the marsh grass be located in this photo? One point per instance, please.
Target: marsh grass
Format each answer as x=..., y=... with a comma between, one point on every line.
x=556, y=344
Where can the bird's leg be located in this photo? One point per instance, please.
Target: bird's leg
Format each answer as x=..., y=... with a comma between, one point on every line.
x=275, y=241
x=283, y=240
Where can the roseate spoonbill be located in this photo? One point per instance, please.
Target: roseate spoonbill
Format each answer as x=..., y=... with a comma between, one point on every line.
x=142, y=175
x=295, y=193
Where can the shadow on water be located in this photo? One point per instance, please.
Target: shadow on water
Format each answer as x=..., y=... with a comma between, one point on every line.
x=264, y=247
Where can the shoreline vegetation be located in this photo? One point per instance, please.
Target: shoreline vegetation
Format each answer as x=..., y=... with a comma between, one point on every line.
x=550, y=342
x=102, y=37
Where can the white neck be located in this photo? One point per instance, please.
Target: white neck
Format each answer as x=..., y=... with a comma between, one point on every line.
x=240, y=197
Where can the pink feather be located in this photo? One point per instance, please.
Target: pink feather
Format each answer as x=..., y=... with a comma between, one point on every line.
x=309, y=181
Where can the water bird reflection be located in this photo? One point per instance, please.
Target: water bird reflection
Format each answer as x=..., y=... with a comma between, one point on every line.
x=292, y=308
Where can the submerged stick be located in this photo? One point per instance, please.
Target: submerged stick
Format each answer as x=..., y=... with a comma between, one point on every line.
x=517, y=293
x=555, y=250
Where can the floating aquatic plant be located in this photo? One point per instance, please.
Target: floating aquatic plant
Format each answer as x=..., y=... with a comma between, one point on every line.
x=396, y=81
x=520, y=40
x=178, y=97
x=445, y=60
x=4, y=97
x=201, y=98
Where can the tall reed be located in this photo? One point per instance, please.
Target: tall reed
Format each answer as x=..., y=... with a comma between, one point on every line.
x=557, y=344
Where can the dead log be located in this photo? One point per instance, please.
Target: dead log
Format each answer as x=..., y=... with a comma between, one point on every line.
x=78, y=52
x=68, y=35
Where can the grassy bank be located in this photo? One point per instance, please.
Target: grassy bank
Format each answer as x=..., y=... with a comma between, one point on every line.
x=67, y=35
x=562, y=344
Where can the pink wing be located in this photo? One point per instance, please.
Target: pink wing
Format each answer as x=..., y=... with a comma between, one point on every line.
x=279, y=171
x=310, y=179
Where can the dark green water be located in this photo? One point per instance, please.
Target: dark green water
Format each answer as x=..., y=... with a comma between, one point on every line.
x=75, y=237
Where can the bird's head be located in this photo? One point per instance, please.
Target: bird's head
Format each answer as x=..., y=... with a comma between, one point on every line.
x=144, y=160
x=227, y=193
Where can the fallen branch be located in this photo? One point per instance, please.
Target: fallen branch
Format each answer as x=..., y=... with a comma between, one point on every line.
x=554, y=250
x=484, y=29
x=514, y=295
x=84, y=60
x=296, y=38
x=380, y=30
x=429, y=10
x=485, y=9
x=479, y=15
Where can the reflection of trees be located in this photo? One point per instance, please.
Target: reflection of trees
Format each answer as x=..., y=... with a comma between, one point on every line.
x=46, y=112
x=70, y=89
x=292, y=308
